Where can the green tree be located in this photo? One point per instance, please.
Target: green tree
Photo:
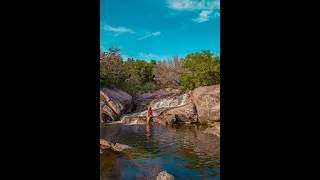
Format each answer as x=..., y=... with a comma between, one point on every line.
x=199, y=69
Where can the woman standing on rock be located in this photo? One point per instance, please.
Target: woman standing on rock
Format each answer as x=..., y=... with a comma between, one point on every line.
x=149, y=115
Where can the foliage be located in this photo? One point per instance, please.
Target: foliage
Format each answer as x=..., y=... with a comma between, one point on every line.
x=166, y=73
x=140, y=76
x=199, y=69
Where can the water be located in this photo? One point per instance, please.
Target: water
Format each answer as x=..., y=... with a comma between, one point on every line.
x=182, y=150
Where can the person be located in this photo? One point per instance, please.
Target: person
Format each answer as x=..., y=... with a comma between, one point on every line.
x=149, y=115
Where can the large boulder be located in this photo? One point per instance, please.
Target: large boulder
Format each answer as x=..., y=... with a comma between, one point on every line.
x=182, y=114
x=174, y=108
x=207, y=101
x=114, y=103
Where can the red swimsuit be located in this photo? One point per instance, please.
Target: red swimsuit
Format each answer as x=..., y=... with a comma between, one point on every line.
x=149, y=112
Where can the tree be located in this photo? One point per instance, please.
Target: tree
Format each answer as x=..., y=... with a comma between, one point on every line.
x=166, y=72
x=199, y=69
x=111, y=68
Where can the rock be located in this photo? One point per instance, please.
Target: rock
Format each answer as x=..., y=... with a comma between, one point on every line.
x=163, y=175
x=183, y=114
x=163, y=120
x=142, y=102
x=108, y=114
x=207, y=102
x=114, y=103
x=120, y=147
x=134, y=119
x=174, y=108
x=105, y=144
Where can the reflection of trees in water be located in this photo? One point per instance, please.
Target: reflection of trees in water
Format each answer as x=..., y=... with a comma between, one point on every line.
x=108, y=166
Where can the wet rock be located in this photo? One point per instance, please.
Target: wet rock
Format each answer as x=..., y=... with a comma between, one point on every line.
x=105, y=144
x=120, y=147
x=207, y=102
x=163, y=175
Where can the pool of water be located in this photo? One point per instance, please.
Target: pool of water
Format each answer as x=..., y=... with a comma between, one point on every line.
x=182, y=150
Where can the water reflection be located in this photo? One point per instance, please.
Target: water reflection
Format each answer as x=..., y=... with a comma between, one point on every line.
x=148, y=130
x=182, y=150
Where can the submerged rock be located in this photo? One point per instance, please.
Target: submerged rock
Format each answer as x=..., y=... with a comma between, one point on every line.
x=105, y=144
x=120, y=147
x=163, y=175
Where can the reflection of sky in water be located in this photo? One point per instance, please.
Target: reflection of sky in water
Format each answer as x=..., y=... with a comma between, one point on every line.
x=182, y=150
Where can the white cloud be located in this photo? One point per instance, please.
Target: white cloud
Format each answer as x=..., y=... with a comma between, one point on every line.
x=203, y=16
x=194, y=4
x=148, y=34
x=205, y=6
x=156, y=33
x=117, y=29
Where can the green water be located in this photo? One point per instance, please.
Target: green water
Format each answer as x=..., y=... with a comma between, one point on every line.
x=184, y=151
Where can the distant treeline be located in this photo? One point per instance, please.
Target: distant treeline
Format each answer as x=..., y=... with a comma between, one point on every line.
x=139, y=76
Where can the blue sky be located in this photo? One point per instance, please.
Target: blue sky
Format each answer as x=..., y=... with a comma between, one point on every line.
x=157, y=29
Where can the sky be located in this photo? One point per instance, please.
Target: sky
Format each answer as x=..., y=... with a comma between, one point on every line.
x=158, y=29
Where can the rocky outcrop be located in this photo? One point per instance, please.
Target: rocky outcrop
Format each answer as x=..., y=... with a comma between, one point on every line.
x=169, y=106
x=163, y=175
x=114, y=103
x=142, y=102
x=182, y=114
x=207, y=101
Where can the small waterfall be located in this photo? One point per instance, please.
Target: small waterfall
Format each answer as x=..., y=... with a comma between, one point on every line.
x=173, y=101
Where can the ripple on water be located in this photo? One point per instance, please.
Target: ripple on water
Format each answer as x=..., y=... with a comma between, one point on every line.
x=181, y=150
